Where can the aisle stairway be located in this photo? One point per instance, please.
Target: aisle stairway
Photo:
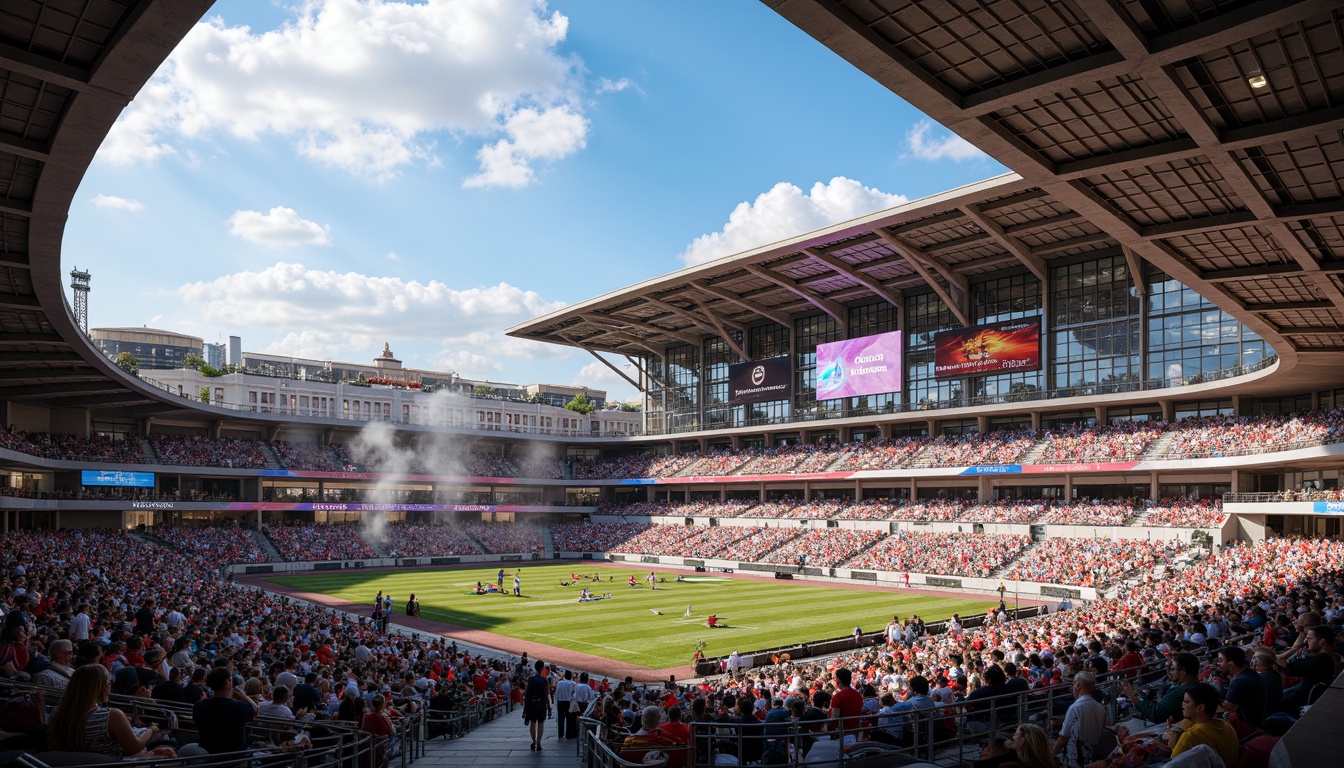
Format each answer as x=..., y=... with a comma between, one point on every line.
x=147, y=448
x=1033, y=453
x=267, y=548
x=272, y=458
x=547, y=544
x=1160, y=446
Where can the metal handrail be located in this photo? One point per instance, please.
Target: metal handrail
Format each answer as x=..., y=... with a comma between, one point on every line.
x=1281, y=497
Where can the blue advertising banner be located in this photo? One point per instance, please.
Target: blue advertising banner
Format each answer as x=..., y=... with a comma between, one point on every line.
x=993, y=469
x=117, y=479
x=1328, y=507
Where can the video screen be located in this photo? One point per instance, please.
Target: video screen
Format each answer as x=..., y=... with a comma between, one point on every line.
x=868, y=365
x=999, y=348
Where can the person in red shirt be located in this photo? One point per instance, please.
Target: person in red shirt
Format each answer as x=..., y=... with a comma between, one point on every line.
x=678, y=734
x=847, y=702
x=1130, y=660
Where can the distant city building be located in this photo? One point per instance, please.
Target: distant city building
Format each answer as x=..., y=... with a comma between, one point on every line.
x=216, y=355
x=153, y=349
x=558, y=395
x=235, y=350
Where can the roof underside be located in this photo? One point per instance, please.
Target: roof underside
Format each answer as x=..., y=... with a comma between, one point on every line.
x=1133, y=127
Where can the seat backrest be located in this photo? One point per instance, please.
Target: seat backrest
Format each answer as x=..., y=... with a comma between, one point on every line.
x=57, y=759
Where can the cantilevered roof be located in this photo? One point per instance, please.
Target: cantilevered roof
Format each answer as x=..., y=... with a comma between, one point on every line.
x=1201, y=136
x=67, y=69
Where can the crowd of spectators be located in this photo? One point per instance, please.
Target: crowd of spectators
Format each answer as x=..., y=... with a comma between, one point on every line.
x=1186, y=513
x=729, y=508
x=642, y=465
x=593, y=537
x=1096, y=512
x=881, y=454
x=63, y=445
x=421, y=540
x=921, y=510
x=796, y=509
x=198, y=451
x=949, y=554
x=505, y=538
x=825, y=547
x=1118, y=441
x=1017, y=511
x=1243, y=435
x=228, y=543
x=1088, y=562
x=160, y=619
x=328, y=541
x=315, y=458
x=798, y=458
x=970, y=449
x=942, y=676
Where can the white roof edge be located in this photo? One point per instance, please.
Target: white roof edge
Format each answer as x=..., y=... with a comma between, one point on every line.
x=975, y=189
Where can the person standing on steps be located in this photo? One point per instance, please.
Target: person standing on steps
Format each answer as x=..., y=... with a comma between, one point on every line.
x=564, y=695
x=537, y=704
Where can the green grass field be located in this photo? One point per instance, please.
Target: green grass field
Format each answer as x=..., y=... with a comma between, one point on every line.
x=760, y=614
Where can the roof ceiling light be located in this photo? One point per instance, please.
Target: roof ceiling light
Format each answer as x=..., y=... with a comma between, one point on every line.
x=1257, y=79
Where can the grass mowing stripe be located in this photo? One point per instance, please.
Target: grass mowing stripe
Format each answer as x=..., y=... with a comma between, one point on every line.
x=760, y=614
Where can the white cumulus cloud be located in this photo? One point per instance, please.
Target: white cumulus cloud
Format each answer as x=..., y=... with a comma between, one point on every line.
x=353, y=314
x=368, y=86
x=598, y=376
x=607, y=85
x=922, y=145
x=114, y=203
x=279, y=226
x=785, y=211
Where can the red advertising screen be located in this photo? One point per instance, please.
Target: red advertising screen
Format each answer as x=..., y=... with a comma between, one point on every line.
x=998, y=348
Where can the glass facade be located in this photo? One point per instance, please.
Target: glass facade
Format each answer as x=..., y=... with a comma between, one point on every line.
x=808, y=333
x=996, y=301
x=1100, y=336
x=1189, y=338
x=718, y=356
x=925, y=315
x=1094, y=335
x=869, y=320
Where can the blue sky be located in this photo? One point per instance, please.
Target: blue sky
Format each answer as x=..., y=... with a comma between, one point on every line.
x=322, y=178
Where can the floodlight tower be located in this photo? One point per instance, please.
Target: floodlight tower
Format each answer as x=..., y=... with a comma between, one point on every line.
x=79, y=284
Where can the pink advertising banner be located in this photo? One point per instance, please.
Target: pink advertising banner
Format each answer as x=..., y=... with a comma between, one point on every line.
x=868, y=365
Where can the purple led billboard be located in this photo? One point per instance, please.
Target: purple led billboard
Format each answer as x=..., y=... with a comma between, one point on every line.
x=868, y=365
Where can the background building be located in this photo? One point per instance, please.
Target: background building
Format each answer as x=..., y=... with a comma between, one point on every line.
x=153, y=349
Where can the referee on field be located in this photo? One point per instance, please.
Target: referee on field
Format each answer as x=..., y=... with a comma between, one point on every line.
x=564, y=694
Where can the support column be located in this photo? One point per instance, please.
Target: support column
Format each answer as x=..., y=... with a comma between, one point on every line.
x=982, y=424
x=1068, y=487
x=1168, y=411
x=985, y=490
x=1153, y=486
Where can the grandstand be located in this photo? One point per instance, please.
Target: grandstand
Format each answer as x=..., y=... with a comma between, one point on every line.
x=1171, y=162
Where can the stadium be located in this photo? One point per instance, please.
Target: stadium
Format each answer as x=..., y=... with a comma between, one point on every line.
x=990, y=475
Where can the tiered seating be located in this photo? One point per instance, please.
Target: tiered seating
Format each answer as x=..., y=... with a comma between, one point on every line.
x=419, y=540
x=715, y=464
x=505, y=538
x=332, y=541
x=1098, y=512
x=315, y=458
x=825, y=547
x=196, y=451
x=923, y=510
x=62, y=445
x=1175, y=513
x=222, y=544
x=594, y=537
x=886, y=454
x=788, y=458
x=1243, y=435
x=1004, y=511
x=973, y=449
x=796, y=509
x=1087, y=562
x=951, y=554
x=1121, y=441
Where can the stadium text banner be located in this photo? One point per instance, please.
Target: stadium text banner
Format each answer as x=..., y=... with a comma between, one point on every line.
x=1001, y=347
x=761, y=381
x=868, y=365
x=116, y=479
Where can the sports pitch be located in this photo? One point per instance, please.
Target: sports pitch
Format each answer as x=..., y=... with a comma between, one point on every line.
x=637, y=625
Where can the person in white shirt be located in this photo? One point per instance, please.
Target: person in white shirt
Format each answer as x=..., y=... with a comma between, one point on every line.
x=583, y=696
x=80, y=625
x=564, y=696
x=277, y=707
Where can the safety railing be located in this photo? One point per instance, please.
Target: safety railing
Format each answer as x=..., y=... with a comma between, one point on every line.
x=1281, y=497
x=596, y=752
x=456, y=723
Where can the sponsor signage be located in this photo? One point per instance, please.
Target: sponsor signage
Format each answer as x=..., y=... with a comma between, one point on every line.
x=760, y=381
x=152, y=505
x=117, y=479
x=1049, y=591
x=939, y=581
x=993, y=469
x=868, y=365
x=997, y=348
x=1328, y=507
